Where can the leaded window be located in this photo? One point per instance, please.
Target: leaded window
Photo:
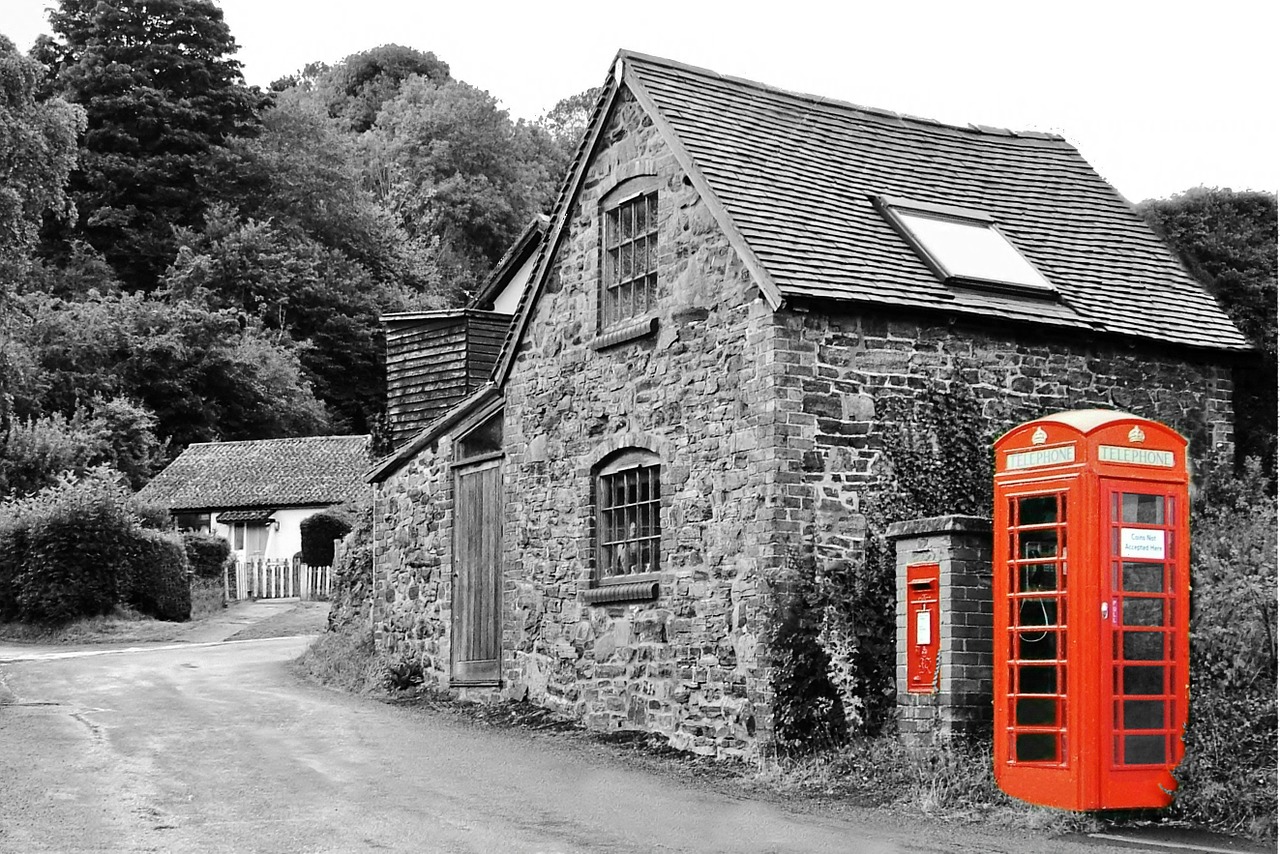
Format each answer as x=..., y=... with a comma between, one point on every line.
x=629, y=278
x=629, y=529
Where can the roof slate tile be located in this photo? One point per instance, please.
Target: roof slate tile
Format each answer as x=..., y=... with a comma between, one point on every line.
x=268, y=472
x=796, y=175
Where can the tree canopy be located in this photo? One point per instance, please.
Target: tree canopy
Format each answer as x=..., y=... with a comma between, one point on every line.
x=37, y=153
x=162, y=97
x=1228, y=240
x=184, y=258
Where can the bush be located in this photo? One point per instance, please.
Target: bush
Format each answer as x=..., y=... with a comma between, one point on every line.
x=80, y=537
x=206, y=553
x=13, y=548
x=151, y=515
x=318, y=533
x=1228, y=779
x=157, y=576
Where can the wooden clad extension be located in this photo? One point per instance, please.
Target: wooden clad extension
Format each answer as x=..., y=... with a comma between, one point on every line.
x=434, y=360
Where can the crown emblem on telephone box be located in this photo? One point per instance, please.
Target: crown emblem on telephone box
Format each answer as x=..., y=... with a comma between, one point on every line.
x=1136, y=435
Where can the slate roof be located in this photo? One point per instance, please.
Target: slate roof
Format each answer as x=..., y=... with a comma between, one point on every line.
x=790, y=178
x=264, y=473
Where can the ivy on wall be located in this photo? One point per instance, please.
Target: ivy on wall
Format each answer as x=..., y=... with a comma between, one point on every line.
x=936, y=460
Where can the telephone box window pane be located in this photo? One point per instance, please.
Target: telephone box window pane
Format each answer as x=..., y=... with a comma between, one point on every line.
x=1038, y=646
x=1143, y=680
x=1038, y=577
x=1038, y=612
x=1037, y=712
x=1039, y=544
x=1144, y=749
x=1036, y=747
x=1143, y=577
x=1144, y=646
x=1040, y=510
x=1142, y=509
x=1143, y=612
x=1038, y=680
x=1143, y=714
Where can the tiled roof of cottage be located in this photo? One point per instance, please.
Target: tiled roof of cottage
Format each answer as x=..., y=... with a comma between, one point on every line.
x=796, y=174
x=790, y=178
x=268, y=472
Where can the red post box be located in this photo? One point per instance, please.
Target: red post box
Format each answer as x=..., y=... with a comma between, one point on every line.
x=1090, y=575
x=922, y=628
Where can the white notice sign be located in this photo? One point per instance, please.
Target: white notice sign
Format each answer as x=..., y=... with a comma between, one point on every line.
x=924, y=625
x=1142, y=543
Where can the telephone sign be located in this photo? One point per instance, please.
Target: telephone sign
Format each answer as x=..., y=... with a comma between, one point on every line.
x=1090, y=579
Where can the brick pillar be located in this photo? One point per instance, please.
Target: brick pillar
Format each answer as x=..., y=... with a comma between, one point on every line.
x=960, y=703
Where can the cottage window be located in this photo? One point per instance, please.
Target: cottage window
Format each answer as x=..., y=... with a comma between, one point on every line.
x=629, y=266
x=628, y=532
x=963, y=246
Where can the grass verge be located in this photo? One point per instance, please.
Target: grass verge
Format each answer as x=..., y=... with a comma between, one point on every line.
x=345, y=660
x=122, y=625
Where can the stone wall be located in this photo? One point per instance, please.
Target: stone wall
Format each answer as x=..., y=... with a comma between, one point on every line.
x=697, y=392
x=412, y=556
x=843, y=367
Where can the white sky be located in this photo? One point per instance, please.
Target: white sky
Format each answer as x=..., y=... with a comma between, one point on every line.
x=1158, y=96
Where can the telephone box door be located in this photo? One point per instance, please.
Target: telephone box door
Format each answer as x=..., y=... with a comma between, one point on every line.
x=1144, y=670
x=1033, y=588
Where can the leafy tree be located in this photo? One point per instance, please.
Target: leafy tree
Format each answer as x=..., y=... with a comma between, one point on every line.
x=162, y=97
x=355, y=89
x=290, y=283
x=1228, y=240
x=206, y=375
x=566, y=122
x=37, y=153
x=461, y=173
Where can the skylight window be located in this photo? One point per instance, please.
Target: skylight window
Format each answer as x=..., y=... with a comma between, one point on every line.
x=963, y=246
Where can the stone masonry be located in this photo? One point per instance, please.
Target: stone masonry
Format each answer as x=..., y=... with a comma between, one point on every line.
x=770, y=429
x=961, y=701
x=698, y=393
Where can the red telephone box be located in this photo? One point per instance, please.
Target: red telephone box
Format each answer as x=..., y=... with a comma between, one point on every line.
x=1090, y=574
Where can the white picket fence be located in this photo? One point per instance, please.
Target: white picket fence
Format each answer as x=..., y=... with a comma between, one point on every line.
x=278, y=579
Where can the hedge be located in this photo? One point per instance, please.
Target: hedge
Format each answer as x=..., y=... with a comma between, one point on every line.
x=318, y=533
x=206, y=553
x=77, y=549
x=158, y=582
x=78, y=538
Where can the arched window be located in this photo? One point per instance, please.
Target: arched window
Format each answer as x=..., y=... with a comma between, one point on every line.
x=628, y=515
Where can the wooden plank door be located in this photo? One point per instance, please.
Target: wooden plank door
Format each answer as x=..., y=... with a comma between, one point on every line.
x=477, y=574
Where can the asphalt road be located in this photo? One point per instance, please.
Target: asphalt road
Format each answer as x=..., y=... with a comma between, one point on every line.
x=217, y=747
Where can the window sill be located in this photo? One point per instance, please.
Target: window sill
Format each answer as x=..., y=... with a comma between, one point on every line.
x=627, y=591
x=630, y=332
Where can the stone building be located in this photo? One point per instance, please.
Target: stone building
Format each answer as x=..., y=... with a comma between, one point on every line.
x=690, y=403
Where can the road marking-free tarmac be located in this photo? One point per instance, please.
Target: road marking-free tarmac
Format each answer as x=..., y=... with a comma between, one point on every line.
x=10, y=657
x=1110, y=837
